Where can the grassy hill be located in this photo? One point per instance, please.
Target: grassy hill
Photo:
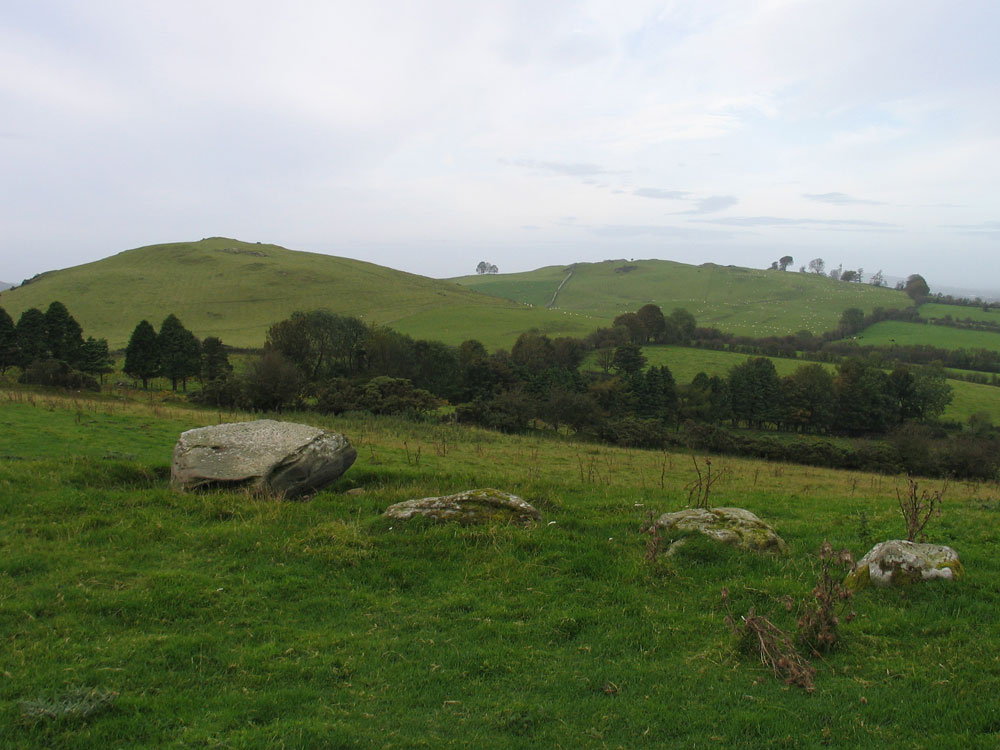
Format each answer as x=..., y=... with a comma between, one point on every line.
x=236, y=290
x=891, y=332
x=741, y=300
x=139, y=617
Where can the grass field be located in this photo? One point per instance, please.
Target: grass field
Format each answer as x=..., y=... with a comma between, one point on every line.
x=237, y=290
x=740, y=300
x=685, y=363
x=932, y=311
x=133, y=616
x=891, y=332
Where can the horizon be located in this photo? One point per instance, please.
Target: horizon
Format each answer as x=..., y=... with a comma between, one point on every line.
x=431, y=137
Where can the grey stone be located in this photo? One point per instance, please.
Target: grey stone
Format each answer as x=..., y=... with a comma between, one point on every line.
x=734, y=526
x=284, y=458
x=469, y=507
x=897, y=562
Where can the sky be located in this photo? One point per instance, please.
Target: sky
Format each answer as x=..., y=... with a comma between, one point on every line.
x=430, y=135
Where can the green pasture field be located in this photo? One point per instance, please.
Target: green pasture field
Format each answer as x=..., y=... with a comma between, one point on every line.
x=237, y=290
x=890, y=332
x=686, y=362
x=135, y=616
x=739, y=300
x=933, y=310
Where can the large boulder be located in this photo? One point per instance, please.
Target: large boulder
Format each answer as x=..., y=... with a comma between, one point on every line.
x=734, y=526
x=898, y=562
x=469, y=507
x=283, y=458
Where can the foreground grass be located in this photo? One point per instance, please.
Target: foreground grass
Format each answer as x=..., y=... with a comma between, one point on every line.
x=221, y=620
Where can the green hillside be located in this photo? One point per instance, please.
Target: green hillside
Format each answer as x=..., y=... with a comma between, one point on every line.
x=740, y=300
x=891, y=332
x=236, y=290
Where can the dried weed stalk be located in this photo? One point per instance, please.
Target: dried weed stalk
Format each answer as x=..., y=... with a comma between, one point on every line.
x=918, y=509
x=775, y=647
x=829, y=603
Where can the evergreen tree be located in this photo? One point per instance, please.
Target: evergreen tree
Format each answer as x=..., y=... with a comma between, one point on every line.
x=95, y=358
x=9, y=349
x=755, y=392
x=142, y=359
x=215, y=364
x=32, y=338
x=64, y=334
x=179, y=351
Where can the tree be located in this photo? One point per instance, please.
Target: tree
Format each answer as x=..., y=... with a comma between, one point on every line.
x=683, y=323
x=272, y=382
x=864, y=401
x=142, y=358
x=533, y=351
x=653, y=322
x=809, y=398
x=755, y=393
x=636, y=330
x=850, y=275
x=32, y=337
x=916, y=287
x=179, y=352
x=852, y=321
x=214, y=360
x=836, y=272
x=877, y=279
x=63, y=333
x=629, y=359
x=785, y=261
x=9, y=349
x=485, y=267
x=817, y=265
x=95, y=359
x=321, y=343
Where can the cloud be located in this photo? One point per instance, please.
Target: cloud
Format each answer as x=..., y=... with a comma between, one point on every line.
x=662, y=195
x=565, y=169
x=712, y=204
x=986, y=229
x=622, y=231
x=840, y=199
x=784, y=221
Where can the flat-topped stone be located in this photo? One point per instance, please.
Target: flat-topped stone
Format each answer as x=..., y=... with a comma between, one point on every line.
x=898, y=562
x=468, y=507
x=281, y=457
x=734, y=526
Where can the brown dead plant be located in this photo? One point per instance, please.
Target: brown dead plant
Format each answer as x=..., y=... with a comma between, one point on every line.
x=917, y=509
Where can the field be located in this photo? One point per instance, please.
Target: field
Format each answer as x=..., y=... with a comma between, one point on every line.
x=134, y=616
x=685, y=363
x=744, y=301
x=237, y=290
x=933, y=310
x=891, y=332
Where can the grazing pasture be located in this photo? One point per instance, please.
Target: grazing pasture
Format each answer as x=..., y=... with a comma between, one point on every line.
x=134, y=616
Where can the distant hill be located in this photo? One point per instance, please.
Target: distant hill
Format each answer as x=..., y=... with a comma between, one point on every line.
x=237, y=290
x=4, y=285
x=740, y=300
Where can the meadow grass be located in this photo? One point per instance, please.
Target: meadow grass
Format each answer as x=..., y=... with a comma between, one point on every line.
x=744, y=301
x=891, y=332
x=227, y=620
x=934, y=310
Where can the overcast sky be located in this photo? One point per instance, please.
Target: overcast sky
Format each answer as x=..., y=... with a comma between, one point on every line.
x=428, y=135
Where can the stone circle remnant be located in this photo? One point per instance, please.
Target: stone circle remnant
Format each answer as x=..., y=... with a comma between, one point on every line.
x=897, y=562
x=468, y=507
x=283, y=458
x=734, y=526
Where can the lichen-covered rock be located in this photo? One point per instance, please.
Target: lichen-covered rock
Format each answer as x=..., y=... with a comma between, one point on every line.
x=283, y=458
x=469, y=507
x=898, y=562
x=734, y=526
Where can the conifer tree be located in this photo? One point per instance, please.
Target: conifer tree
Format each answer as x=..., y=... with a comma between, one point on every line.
x=179, y=350
x=63, y=333
x=9, y=349
x=95, y=358
x=32, y=338
x=142, y=358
